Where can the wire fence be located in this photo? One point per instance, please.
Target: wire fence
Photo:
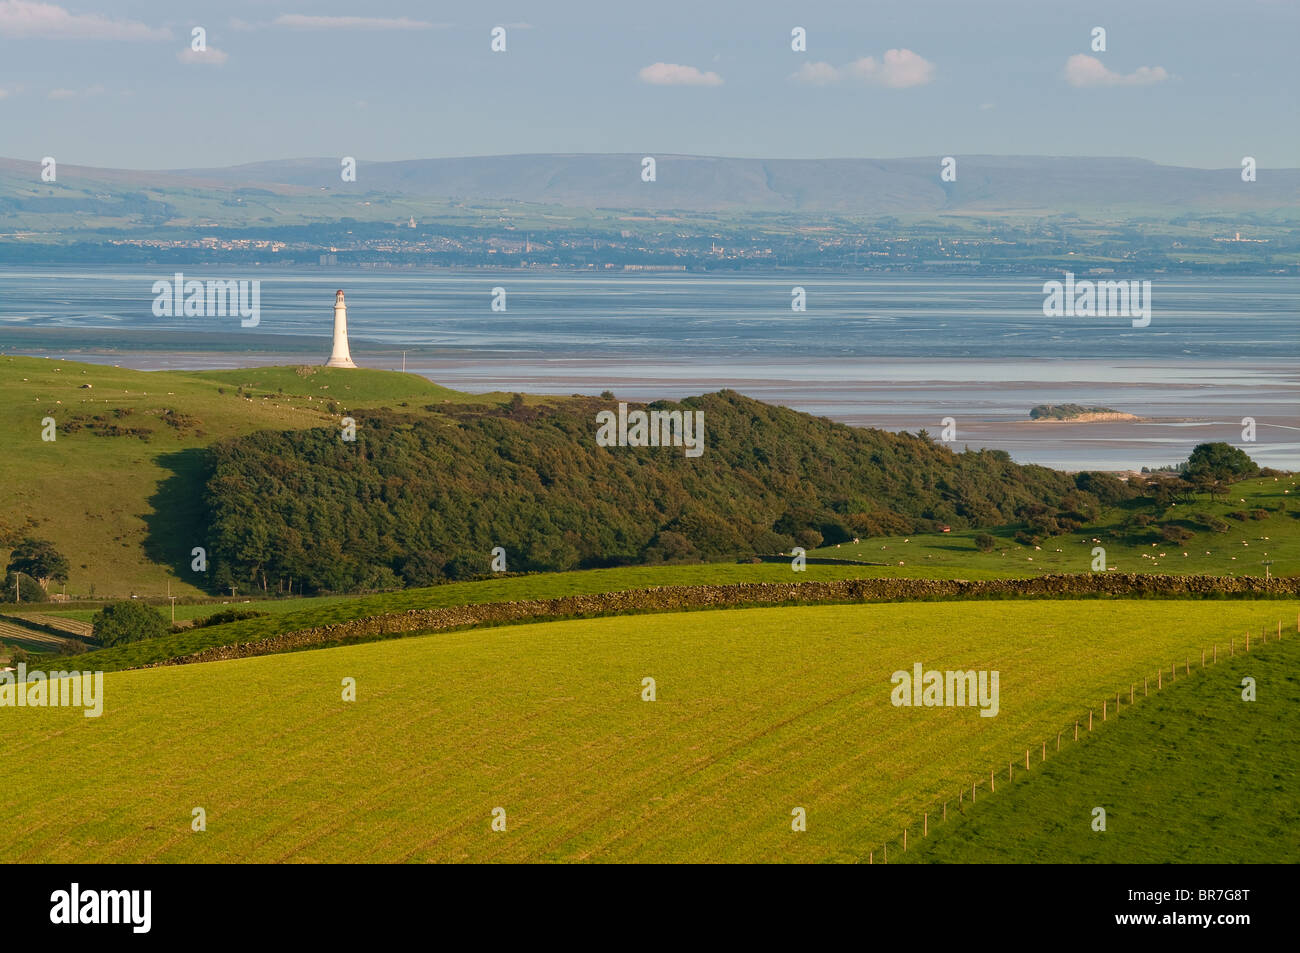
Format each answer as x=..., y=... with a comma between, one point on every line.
x=1070, y=733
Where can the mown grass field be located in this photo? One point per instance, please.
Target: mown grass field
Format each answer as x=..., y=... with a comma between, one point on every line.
x=1193, y=775
x=758, y=711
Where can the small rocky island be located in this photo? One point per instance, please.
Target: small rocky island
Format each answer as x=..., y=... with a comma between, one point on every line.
x=1077, y=413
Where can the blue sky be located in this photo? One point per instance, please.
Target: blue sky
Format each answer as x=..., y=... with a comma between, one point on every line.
x=1183, y=82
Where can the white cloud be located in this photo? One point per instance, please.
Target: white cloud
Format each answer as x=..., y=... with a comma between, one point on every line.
x=209, y=57
x=674, y=74
x=897, y=69
x=1082, y=70
x=816, y=74
x=300, y=21
x=74, y=93
x=30, y=18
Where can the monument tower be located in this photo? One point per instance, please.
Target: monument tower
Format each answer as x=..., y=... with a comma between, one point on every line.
x=340, y=356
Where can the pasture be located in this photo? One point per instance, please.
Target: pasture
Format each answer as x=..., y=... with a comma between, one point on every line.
x=758, y=711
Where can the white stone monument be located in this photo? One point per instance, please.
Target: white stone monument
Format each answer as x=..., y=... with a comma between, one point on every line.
x=340, y=356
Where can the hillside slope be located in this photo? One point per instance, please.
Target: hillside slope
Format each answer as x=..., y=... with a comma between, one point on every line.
x=756, y=712
x=1194, y=775
x=119, y=491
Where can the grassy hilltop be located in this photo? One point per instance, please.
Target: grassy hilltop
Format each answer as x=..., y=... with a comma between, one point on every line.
x=130, y=477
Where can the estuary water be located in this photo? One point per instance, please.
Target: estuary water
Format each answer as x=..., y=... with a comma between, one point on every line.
x=891, y=352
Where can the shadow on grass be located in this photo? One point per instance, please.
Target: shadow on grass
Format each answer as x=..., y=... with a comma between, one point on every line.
x=175, y=523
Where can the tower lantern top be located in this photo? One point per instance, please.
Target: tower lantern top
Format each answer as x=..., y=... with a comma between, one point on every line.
x=338, y=295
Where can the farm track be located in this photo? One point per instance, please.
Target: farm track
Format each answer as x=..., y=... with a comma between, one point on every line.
x=74, y=628
x=27, y=638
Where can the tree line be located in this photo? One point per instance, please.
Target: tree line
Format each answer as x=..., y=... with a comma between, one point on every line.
x=414, y=500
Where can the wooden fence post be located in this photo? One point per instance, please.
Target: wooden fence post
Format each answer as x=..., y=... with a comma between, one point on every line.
x=1076, y=729
x=1145, y=690
x=1103, y=709
x=991, y=787
x=1160, y=679
x=1026, y=759
x=1044, y=757
x=1202, y=658
x=945, y=810
x=925, y=825
x=904, y=838
x=1130, y=693
x=1058, y=741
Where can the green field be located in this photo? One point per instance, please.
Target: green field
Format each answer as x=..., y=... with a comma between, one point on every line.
x=1239, y=551
x=126, y=510
x=1194, y=775
x=117, y=505
x=758, y=711
x=287, y=615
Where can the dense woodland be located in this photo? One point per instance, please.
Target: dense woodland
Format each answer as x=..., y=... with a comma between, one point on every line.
x=417, y=499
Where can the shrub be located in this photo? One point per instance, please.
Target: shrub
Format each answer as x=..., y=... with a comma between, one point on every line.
x=1212, y=523
x=1176, y=534
x=808, y=538
x=1106, y=487
x=1259, y=514
x=128, y=621
x=670, y=547
x=984, y=542
x=226, y=615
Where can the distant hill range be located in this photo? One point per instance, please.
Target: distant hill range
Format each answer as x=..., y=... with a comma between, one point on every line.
x=703, y=183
